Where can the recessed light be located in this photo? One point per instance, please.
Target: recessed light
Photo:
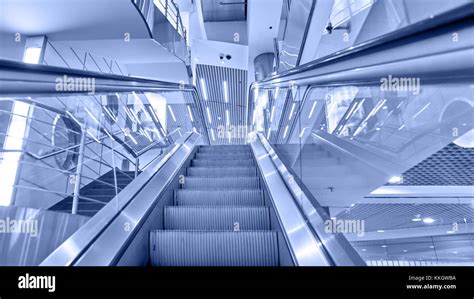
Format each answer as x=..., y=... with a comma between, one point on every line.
x=384, y=246
x=395, y=180
x=380, y=231
x=416, y=219
x=363, y=249
x=428, y=220
x=450, y=232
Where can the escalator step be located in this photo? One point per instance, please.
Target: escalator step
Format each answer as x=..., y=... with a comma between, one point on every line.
x=214, y=248
x=221, y=172
x=224, y=150
x=223, y=163
x=221, y=183
x=219, y=198
x=216, y=218
x=223, y=156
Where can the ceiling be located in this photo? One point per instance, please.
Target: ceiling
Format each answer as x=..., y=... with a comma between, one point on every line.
x=224, y=10
x=72, y=19
x=213, y=78
x=450, y=249
x=400, y=216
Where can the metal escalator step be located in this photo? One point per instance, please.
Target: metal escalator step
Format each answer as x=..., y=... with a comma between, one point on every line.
x=216, y=218
x=223, y=163
x=185, y=197
x=224, y=150
x=221, y=183
x=214, y=248
x=223, y=156
x=221, y=171
x=225, y=147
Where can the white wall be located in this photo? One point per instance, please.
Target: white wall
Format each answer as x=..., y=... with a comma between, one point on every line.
x=10, y=48
x=166, y=71
x=230, y=32
x=207, y=52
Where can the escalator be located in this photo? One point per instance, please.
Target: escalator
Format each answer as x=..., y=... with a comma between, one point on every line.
x=219, y=217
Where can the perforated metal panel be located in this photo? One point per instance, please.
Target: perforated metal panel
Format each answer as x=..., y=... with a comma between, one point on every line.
x=451, y=166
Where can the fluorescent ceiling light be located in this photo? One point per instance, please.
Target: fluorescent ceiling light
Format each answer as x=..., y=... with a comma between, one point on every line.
x=277, y=89
x=226, y=92
x=32, y=55
x=292, y=110
x=208, y=115
x=203, y=88
x=190, y=114
x=302, y=132
x=227, y=118
x=312, y=110
x=416, y=219
x=172, y=113
x=272, y=114
x=286, y=132
x=212, y=135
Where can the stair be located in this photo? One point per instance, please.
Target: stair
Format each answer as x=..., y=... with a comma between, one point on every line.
x=100, y=192
x=219, y=217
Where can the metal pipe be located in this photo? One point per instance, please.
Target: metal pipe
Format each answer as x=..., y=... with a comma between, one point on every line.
x=137, y=161
x=77, y=186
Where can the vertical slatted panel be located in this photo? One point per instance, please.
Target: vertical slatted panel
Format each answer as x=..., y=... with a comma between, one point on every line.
x=214, y=77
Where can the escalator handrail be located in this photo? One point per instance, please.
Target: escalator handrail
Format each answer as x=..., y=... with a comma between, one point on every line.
x=336, y=247
x=38, y=78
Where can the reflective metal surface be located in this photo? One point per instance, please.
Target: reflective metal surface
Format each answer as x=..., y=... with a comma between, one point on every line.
x=29, y=235
x=17, y=78
x=101, y=240
x=300, y=216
